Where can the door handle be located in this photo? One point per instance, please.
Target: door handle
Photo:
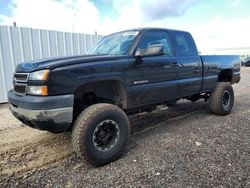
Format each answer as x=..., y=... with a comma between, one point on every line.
x=170, y=64
x=176, y=64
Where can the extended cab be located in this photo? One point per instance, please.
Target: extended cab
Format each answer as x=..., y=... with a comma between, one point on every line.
x=124, y=73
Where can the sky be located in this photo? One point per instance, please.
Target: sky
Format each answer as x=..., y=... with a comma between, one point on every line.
x=214, y=24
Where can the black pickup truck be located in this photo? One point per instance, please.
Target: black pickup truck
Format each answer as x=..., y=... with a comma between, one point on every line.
x=124, y=73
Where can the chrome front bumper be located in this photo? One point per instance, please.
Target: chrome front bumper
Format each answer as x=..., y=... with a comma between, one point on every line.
x=59, y=115
x=50, y=113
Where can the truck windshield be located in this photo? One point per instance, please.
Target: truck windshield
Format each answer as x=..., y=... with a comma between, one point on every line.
x=115, y=44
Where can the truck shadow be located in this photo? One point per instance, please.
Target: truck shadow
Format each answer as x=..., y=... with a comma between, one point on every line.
x=143, y=121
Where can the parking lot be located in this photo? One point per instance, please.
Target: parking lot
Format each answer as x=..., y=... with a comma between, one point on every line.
x=180, y=146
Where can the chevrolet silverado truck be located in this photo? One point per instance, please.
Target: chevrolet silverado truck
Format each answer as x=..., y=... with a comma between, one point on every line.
x=124, y=73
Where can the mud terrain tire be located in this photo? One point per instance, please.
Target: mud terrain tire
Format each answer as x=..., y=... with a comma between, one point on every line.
x=222, y=99
x=100, y=133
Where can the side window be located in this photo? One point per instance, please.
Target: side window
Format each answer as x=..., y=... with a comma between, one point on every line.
x=156, y=37
x=184, y=44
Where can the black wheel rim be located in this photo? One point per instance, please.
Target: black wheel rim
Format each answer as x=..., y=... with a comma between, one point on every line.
x=106, y=135
x=226, y=99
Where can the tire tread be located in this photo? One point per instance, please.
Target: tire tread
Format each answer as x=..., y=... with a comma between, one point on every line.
x=216, y=98
x=81, y=125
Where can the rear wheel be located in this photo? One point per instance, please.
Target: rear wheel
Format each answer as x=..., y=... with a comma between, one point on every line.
x=222, y=99
x=100, y=133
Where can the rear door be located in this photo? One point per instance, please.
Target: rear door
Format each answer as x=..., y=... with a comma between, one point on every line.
x=189, y=64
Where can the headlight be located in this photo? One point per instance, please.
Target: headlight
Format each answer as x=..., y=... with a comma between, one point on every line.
x=37, y=90
x=39, y=75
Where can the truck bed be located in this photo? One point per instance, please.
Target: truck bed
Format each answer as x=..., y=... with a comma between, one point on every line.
x=212, y=66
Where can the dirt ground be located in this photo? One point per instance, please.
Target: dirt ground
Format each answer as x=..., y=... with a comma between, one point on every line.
x=182, y=146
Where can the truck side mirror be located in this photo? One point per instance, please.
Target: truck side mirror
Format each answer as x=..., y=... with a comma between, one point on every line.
x=154, y=50
x=138, y=56
x=139, y=53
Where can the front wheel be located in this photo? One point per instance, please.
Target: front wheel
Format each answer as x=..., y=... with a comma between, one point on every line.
x=222, y=99
x=100, y=133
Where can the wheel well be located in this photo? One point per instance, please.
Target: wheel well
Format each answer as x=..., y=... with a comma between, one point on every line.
x=110, y=91
x=225, y=76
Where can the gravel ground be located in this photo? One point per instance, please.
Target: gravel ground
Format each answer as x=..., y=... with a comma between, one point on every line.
x=183, y=146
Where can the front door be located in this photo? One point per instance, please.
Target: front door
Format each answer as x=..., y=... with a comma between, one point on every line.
x=159, y=72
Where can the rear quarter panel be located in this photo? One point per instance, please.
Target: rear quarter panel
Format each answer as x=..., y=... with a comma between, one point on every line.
x=214, y=64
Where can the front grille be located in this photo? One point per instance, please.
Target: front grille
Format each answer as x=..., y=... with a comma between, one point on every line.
x=21, y=77
x=20, y=83
x=20, y=89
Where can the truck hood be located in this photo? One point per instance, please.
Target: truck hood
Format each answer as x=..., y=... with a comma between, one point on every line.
x=63, y=61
